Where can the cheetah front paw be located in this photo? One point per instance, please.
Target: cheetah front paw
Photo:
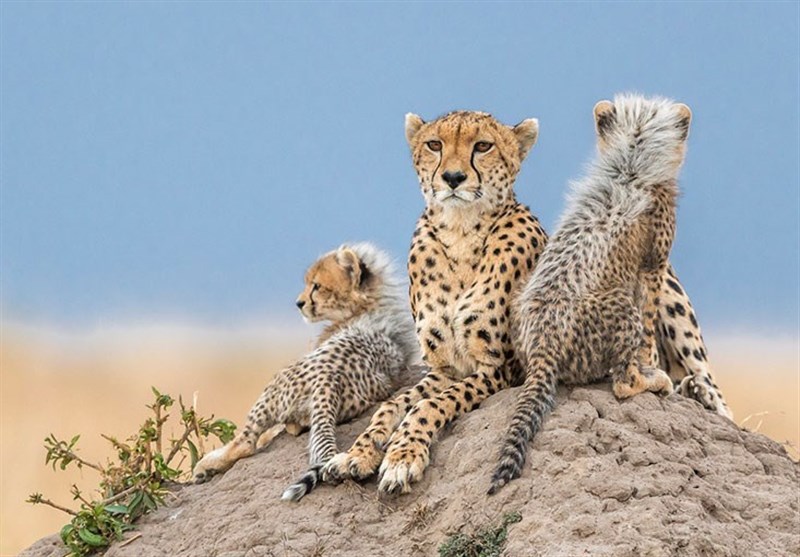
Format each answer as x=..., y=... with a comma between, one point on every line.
x=335, y=470
x=694, y=388
x=403, y=465
x=359, y=463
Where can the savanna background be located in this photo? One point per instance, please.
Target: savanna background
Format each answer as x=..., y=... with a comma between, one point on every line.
x=168, y=171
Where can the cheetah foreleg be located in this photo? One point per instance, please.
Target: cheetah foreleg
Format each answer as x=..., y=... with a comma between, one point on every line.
x=322, y=439
x=364, y=457
x=326, y=404
x=408, y=453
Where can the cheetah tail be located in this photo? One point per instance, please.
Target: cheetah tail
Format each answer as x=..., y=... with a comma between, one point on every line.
x=535, y=402
x=307, y=482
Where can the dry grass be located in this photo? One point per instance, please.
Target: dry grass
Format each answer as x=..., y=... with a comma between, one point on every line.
x=419, y=517
x=99, y=383
x=761, y=381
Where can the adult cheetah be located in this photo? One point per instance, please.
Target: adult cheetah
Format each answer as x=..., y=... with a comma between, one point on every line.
x=589, y=309
x=473, y=245
x=358, y=359
x=473, y=248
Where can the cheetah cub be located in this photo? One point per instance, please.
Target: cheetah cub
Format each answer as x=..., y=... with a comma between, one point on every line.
x=590, y=306
x=357, y=361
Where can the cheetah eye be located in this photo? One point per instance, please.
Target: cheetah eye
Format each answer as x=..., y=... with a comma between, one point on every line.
x=314, y=286
x=483, y=146
x=434, y=146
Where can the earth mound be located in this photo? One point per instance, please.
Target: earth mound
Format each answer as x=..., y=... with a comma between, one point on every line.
x=648, y=476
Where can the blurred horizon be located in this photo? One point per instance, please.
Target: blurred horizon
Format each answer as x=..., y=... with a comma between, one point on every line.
x=173, y=161
x=277, y=328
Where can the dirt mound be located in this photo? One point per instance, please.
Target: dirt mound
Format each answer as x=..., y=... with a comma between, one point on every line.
x=645, y=477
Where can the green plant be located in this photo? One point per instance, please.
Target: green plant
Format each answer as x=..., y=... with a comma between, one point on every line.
x=488, y=541
x=136, y=482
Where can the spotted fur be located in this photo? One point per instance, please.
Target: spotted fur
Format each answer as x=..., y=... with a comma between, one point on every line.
x=473, y=246
x=359, y=356
x=472, y=250
x=682, y=351
x=592, y=306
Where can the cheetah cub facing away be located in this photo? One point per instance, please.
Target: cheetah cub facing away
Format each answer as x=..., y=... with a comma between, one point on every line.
x=358, y=359
x=590, y=306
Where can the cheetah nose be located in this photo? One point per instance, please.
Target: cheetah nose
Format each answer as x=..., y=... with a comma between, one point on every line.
x=454, y=179
x=300, y=304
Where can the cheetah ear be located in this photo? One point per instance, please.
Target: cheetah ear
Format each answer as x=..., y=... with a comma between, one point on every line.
x=526, y=132
x=413, y=124
x=605, y=114
x=352, y=265
x=685, y=119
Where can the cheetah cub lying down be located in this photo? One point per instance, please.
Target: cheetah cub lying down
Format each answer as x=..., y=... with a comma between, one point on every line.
x=359, y=357
x=590, y=307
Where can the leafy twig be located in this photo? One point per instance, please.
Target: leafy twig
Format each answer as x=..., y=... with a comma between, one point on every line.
x=61, y=453
x=121, y=495
x=135, y=484
x=177, y=446
x=38, y=499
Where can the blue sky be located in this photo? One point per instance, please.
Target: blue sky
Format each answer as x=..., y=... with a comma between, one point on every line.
x=190, y=159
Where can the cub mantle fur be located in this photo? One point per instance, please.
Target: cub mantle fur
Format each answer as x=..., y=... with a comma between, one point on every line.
x=590, y=307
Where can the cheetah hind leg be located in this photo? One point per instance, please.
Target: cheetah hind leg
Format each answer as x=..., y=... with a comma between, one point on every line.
x=221, y=459
x=268, y=436
x=293, y=429
x=635, y=379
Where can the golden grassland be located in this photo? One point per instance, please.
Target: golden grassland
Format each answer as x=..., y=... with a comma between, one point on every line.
x=100, y=382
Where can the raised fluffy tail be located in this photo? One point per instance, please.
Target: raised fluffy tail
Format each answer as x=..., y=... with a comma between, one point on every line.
x=303, y=486
x=535, y=402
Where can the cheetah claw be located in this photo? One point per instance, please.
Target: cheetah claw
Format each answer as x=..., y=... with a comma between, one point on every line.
x=332, y=471
x=400, y=469
x=356, y=465
x=692, y=387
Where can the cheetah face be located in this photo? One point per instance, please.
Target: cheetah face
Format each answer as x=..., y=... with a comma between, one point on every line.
x=468, y=159
x=334, y=287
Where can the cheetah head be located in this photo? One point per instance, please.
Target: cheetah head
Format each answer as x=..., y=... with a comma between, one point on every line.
x=634, y=130
x=338, y=286
x=468, y=159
